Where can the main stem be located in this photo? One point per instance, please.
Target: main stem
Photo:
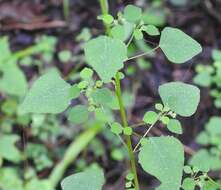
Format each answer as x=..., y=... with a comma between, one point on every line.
x=125, y=124
x=104, y=9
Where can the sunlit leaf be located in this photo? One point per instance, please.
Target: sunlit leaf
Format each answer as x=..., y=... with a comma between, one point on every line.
x=49, y=94
x=180, y=97
x=163, y=157
x=91, y=179
x=178, y=46
x=132, y=13
x=106, y=55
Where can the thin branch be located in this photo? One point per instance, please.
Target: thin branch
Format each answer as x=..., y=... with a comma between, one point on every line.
x=137, y=125
x=130, y=40
x=148, y=130
x=142, y=54
x=214, y=182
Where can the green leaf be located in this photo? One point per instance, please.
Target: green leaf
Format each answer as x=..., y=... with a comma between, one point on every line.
x=203, y=138
x=178, y=46
x=174, y=126
x=180, y=97
x=132, y=13
x=189, y=184
x=105, y=97
x=138, y=34
x=5, y=50
x=118, y=32
x=64, y=56
x=75, y=91
x=165, y=120
x=214, y=126
x=187, y=169
x=83, y=84
x=127, y=131
x=116, y=128
x=86, y=73
x=9, y=179
x=151, y=30
x=117, y=154
x=203, y=79
x=49, y=94
x=159, y=107
x=130, y=176
x=155, y=15
x=150, y=117
x=216, y=55
x=104, y=115
x=106, y=18
x=106, y=55
x=8, y=149
x=91, y=179
x=201, y=160
x=78, y=114
x=36, y=184
x=13, y=81
x=163, y=157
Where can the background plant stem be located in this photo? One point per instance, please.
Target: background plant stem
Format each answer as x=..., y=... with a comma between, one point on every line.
x=66, y=9
x=128, y=138
x=72, y=152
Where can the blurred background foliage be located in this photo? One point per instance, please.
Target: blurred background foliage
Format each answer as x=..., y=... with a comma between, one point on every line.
x=38, y=35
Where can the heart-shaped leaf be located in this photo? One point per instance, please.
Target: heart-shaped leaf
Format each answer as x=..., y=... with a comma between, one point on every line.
x=163, y=157
x=49, y=94
x=106, y=55
x=181, y=98
x=178, y=46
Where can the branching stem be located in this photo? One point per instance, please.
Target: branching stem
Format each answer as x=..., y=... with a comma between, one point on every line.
x=146, y=133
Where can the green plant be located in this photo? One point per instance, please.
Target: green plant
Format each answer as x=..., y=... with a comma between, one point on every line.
x=106, y=55
x=13, y=86
x=205, y=159
x=210, y=76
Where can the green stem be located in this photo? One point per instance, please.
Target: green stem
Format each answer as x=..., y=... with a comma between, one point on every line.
x=66, y=12
x=214, y=182
x=72, y=152
x=105, y=9
x=142, y=54
x=125, y=124
x=104, y=6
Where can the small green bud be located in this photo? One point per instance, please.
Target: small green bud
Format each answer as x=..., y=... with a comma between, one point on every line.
x=165, y=120
x=99, y=83
x=86, y=73
x=159, y=107
x=91, y=108
x=128, y=131
x=130, y=176
x=116, y=128
x=82, y=84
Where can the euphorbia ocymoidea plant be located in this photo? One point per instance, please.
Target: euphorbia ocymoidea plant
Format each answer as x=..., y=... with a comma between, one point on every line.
x=162, y=157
